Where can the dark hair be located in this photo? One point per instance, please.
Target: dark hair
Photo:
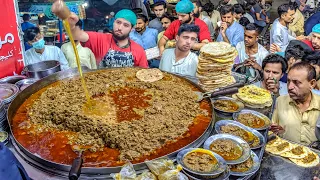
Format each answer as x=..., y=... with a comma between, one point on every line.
x=238, y=9
x=160, y=3
x=294, y=4
x=284, y=8
x=305, y=65
x=198, y=3
x=31, y=33
x=251, y=2
x=168, y=16
x=142, y=17
x=79, y=23
x=275, y=58
x=188, y=28
x=312, y=58
x=208, y=8
x=26, y=17
x=226, y=9
x=252, y=27
x=297, y=52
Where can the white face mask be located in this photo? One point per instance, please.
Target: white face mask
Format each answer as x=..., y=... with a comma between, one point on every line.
x=110, y=2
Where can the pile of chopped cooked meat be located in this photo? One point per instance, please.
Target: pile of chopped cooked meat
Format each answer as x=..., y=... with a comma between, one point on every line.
x=245, y=135
x=200, y=162
x=226, y=148
x=242, y=167
x=160, y=114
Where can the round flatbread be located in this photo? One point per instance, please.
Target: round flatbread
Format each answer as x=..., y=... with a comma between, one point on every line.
x=149, y=75
x=217, y=49
x=297, y=152
x=284, y=146
x=311, y=160
x=254, y=95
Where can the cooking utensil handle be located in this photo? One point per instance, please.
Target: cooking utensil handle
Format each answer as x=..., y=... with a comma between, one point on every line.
x=224, y=92
x=75, y=170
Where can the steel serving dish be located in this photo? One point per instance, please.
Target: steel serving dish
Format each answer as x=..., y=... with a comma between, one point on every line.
x=221, y=123
x=255, y=113
x=54, y=167
x=41, y=69
x=252, y=170
x=24, y=83
x=223, y=176
x=221, y=164
x=245, y=148
x=227, y=113
x=12, y=79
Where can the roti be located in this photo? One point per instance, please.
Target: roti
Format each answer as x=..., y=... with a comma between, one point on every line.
x=217, y=49
x=254, y=95
x=312, y=159
x=297, y=152
x=284, y=146
x=149, y=75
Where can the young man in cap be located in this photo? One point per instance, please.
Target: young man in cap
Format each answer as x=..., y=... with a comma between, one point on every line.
x=184, y=10
x=159, y=9
x=110, y=50
x=230, y=31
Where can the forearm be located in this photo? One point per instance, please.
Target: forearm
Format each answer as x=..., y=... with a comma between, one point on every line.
x=197, y=46
x=162, y=44
x=225, y=38
x=80, y=35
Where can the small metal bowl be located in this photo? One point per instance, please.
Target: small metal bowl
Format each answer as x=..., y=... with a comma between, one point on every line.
x=252, y=170
x=223, y=176
x=260, y=115
x=24, y=83
x=12, y=79
x=227, y=113
x=221, y=165
x=221, y=123
x=244, y=146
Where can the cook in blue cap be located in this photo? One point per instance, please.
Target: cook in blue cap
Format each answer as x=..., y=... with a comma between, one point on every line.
x=315, y=37
x=184, y=7
x=127, y=15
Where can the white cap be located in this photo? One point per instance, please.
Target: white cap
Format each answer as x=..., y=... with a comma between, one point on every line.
x=112, y=13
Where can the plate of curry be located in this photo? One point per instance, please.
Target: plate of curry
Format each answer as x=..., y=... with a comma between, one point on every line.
x=232, y=149
x=227, y=105
x=250, y=166
x=253, y=119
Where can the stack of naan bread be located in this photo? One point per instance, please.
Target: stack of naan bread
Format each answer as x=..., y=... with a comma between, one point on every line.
x=215, y=62
x=300, y=155
x=254, y=97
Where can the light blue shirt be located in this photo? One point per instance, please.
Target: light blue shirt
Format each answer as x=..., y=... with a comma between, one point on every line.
x=147, y=40
x=186, y=66
x=279, y=35
x=235, y=34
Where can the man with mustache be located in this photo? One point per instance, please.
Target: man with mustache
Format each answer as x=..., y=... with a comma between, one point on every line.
x=110, y=50
x=314, y=38
x=230, y=31
x=184, y=10
x=181, y=60
x=296, y=114
x=279, y=33
x=250, y=52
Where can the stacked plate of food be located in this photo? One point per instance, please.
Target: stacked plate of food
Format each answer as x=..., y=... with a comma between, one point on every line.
x=201, y=163
x=298, y=154
x=254, y=97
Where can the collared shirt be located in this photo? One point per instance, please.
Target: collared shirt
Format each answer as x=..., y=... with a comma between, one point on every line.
x=156, y=24
x=279, y=35
x=26, y=25
x=49, y=53
x=148, y=39
x=259, y=56
x=235, y=34
x=185, y=66
x=85, y=54
x=299, y=127
x=297, y=25
x=207, y=20
x=283, y=89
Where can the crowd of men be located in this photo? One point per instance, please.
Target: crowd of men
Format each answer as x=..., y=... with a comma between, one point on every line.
x=290, y=68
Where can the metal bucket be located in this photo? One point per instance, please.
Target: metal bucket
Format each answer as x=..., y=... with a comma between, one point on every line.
x=41, y=69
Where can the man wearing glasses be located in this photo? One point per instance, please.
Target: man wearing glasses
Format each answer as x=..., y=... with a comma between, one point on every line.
x=181, y=60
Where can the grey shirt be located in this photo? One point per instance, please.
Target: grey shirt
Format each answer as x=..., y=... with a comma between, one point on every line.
x=207, y=20
x=279, y=35
x=156, y=24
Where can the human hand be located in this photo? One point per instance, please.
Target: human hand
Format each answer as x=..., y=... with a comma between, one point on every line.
x=301, y=37
x=274, y=48
x=273, y=85
x=223, y=27
x=252, y=63
x=277, y=129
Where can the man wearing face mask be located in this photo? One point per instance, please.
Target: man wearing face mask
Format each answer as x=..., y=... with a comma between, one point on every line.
x=296, y=114
x=85, y=54
x=230, y=31
x=110, y=50
x=184, y=9
x=41, y=52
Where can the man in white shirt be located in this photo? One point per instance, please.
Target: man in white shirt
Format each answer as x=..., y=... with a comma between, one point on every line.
x=86, y=56
x=41, y=52
x=273, y=66
x=250, y=52
x=181, y=60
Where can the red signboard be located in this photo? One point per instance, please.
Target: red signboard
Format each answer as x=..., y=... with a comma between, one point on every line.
x=11, y=61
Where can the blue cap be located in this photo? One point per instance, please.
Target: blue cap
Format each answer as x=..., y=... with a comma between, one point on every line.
x=184, y=7
x=316, y=28
x=127, y=15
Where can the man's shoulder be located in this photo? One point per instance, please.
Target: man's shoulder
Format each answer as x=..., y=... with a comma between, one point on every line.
x=152, y=30
x=285, y=99
x=29, y=51
x=135, y=47
x=168, y=51
x=199, y=22
x=99, y=35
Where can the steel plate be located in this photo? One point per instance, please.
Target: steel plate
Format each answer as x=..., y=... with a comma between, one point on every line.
x=24, y=83
x=222, y=165
x=260, y=115
x=8, y=92
x=240, y=105
x=240, y=142
x=235, y=123
x=252, y=170
x=224, y=176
